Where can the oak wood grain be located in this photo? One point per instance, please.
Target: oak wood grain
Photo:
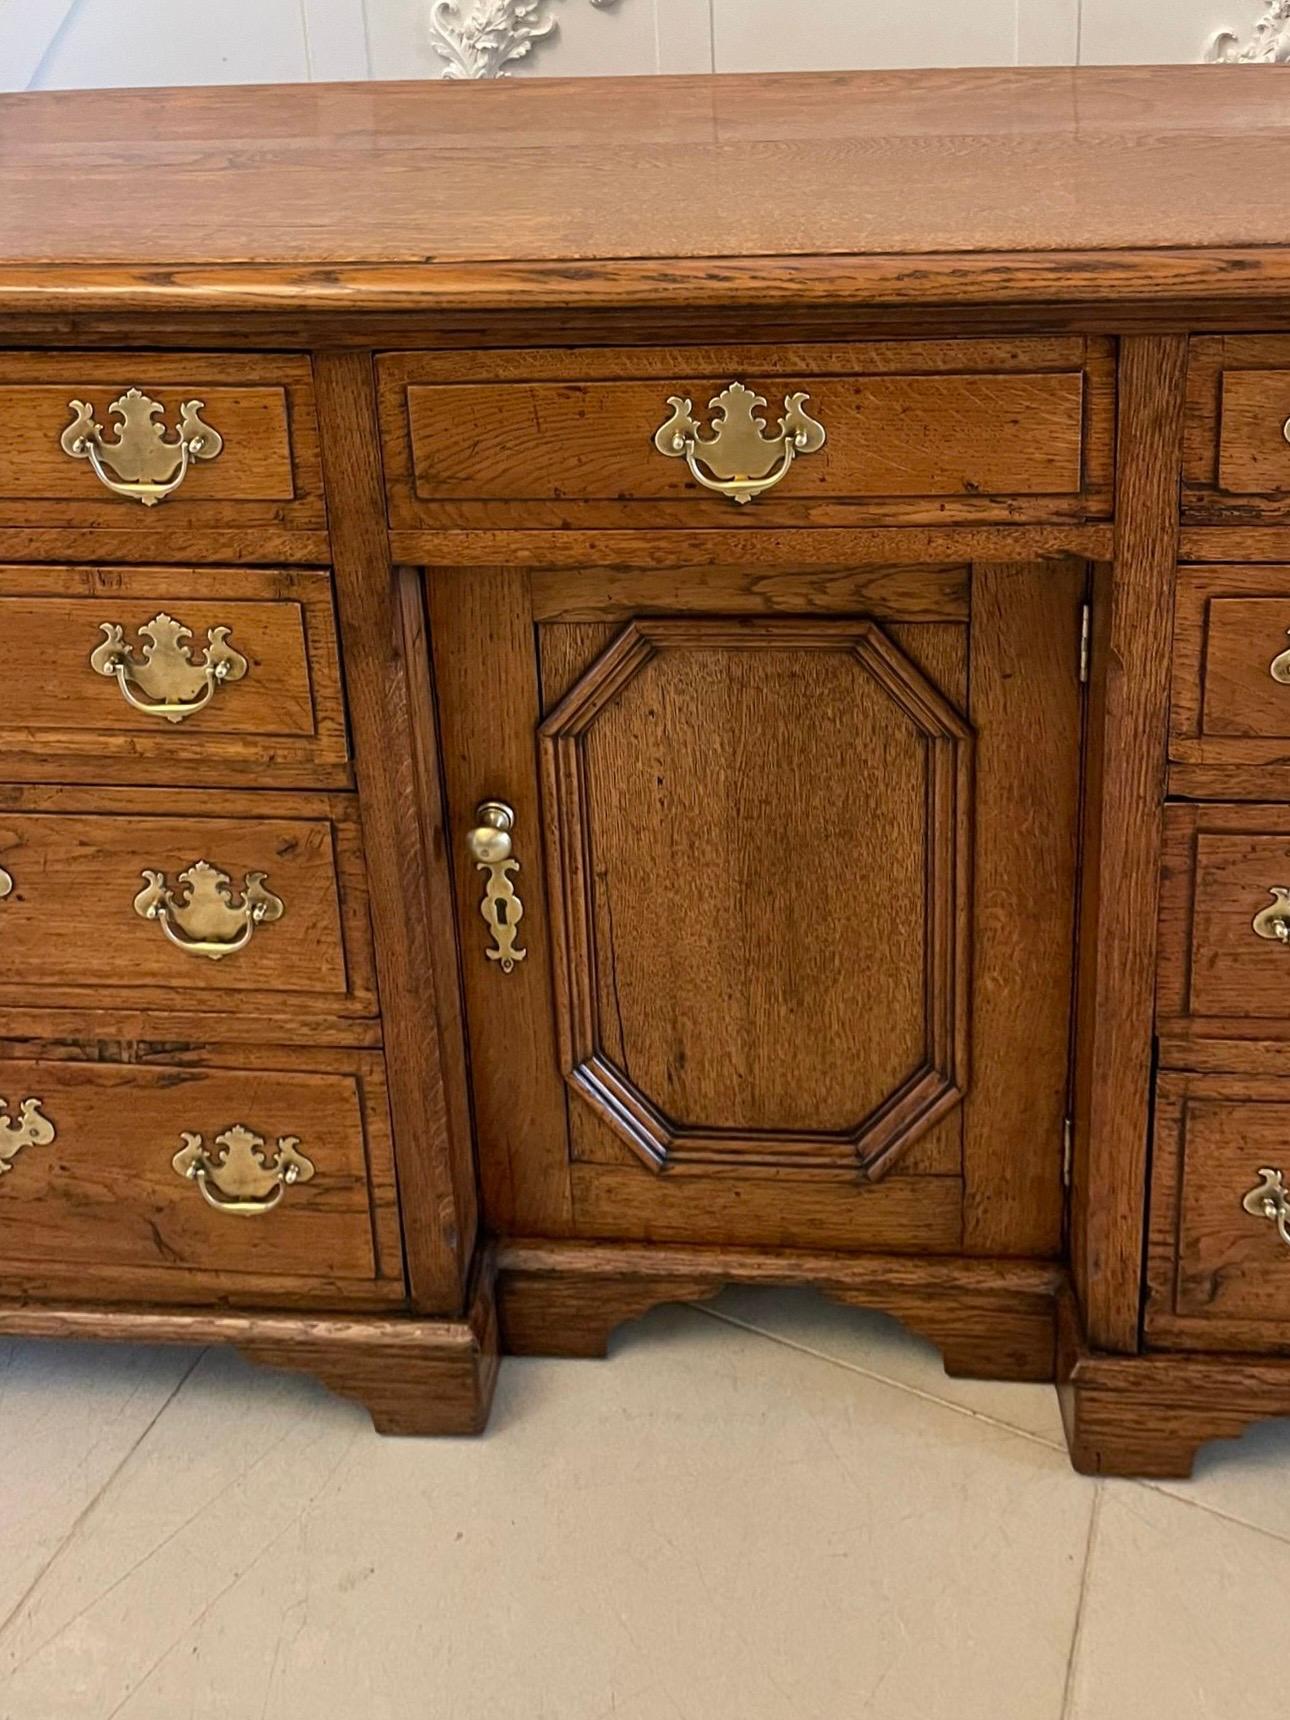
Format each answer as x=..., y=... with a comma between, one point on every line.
x=284, y=719
x=989, y=1319
x=1126, y=748
x=1220, y=865
x=77, y=856
x=1148, y=1415
x=382, y=654
x=1088, y=181
x=267, y=473
x=1026, y=711
x=415, y=1376
x=1230, y=625
x=561, y=438
x=103, y=1198
x=1218, y=1277
x=765, y=553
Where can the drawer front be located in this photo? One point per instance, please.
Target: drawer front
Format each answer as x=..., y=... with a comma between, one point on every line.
x=1237, y=456
x=284, y=1178
x=155, y=674
x=259, y=407
x=1225, y=921
x=970, y=430
x=1231, y=680
x=155, y=898
x=1219, y=1249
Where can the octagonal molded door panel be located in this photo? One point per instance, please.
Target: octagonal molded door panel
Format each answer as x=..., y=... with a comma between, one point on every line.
x=758, y=869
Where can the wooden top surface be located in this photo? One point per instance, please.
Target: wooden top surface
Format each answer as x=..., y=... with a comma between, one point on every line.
x=364, y=192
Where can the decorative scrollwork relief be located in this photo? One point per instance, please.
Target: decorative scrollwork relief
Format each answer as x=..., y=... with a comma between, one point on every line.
x=1269, y=44
x=480, y=38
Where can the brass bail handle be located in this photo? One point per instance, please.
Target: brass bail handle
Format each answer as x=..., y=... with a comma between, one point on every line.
x=491, y=847
x=171, y=684
x=737, y=459
x=1270, y=1200
x=148, y=467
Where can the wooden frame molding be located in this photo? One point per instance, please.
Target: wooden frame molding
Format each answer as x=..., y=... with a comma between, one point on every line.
x=1129, y=701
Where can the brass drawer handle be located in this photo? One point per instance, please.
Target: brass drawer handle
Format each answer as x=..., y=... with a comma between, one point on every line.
x=27, y=1129
x=741, y=461
x=201, y=917
x=1279, y=667
x=148, y=467
x=6, y=883
x=1270, y=1200
x=174, y=687
x=490, y=846
x=239, y=1176
x=1273, y=922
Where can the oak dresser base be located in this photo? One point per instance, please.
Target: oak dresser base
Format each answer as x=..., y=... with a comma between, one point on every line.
x=989, y=1319
x=413, y=1376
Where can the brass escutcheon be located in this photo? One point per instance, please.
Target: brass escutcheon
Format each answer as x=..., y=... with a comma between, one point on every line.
x=148, y=468
x=738, y=459
x=201, y=917
x=28, y=1129
x=490, y=845
x=1273, y=922
x=239, y=1176
x=173, y=685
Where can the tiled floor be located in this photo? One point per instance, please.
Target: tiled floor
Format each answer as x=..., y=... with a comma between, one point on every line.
x=785, y=1512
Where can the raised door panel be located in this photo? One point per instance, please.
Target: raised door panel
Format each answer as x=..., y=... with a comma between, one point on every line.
x=751, y=937
x=796, y=793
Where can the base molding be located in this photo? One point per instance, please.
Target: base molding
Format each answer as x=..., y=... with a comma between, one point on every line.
x=990, y=1319
x=1148, y=1415
x=413, y=1375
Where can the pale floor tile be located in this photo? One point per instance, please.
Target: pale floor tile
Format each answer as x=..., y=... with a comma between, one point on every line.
x=71, y=1414
x=1184, y=1615
x=1245, y=1479
x=710, y=1526
x=875, y=1344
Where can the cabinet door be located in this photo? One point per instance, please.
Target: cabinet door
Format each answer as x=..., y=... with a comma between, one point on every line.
x=785, y=959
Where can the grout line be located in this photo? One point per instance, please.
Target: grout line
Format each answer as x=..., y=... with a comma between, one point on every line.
x=1237, y=1522
x=87, y=1510
x=1068, y=1688
x=1283, y=1537
x=883, y=1380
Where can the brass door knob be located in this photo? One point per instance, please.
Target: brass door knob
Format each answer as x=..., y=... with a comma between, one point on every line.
x=490, y=841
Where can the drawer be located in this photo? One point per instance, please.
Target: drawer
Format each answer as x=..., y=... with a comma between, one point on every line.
x=1236, y=463
x=260, y=407
x=1219, y=1272
x=253, y=902
x=1231, y=674
x=971, y=430
x=1225, y=891
x=153, y=674
x=285, y=1178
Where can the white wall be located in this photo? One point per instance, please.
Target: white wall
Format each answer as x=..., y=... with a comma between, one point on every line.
x=53, y=44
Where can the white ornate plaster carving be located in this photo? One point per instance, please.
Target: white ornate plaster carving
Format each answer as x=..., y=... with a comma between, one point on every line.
x=480, y=38
x=1269, y=43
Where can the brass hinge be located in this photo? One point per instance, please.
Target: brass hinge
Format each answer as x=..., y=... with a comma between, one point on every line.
x=1068, y=1150
x=1085, y=637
